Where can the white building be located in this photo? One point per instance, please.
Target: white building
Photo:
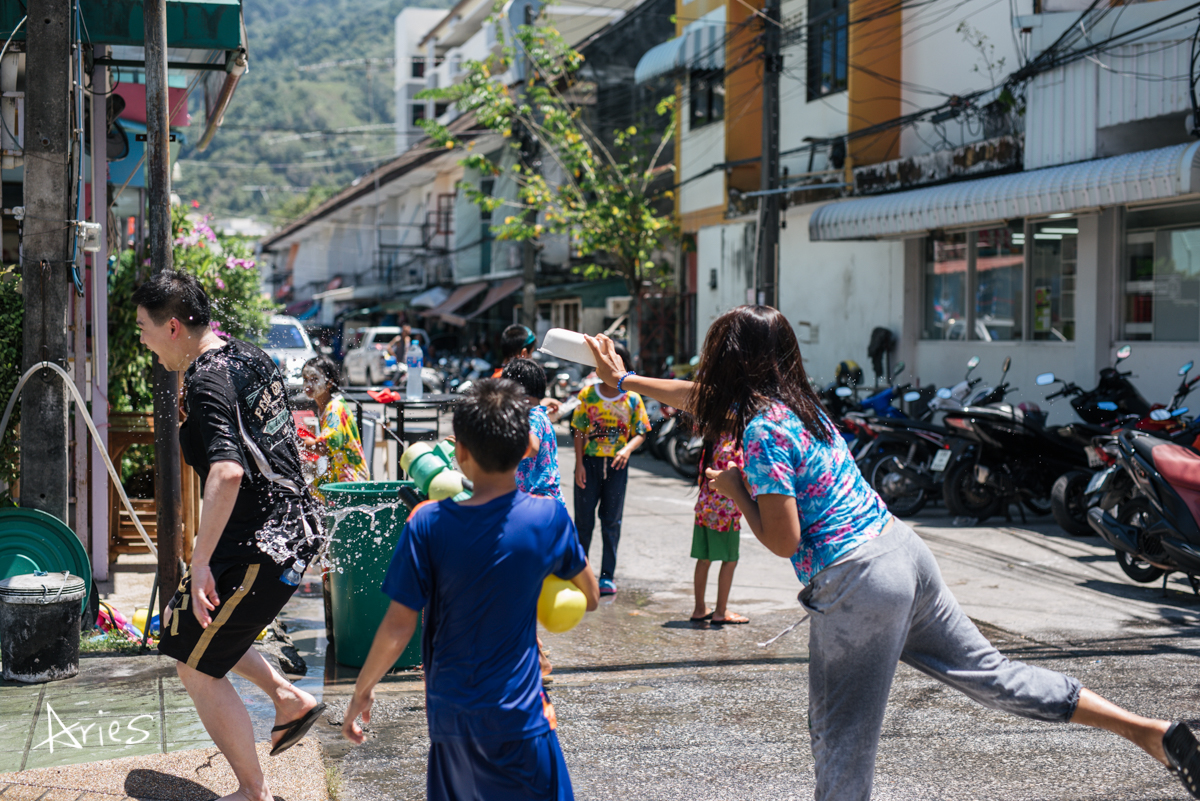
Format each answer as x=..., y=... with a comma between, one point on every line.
x=1076, y=238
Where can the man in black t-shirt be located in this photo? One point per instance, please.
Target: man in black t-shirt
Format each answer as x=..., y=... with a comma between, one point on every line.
x=258, y=530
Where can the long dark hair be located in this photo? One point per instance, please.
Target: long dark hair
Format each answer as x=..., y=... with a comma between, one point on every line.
x=750, y=360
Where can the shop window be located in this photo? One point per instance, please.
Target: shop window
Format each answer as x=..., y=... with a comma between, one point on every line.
x=706, y=91
x=945, y=287
x=1053, y=270
x=828, y=23
x=1161, y=278
x=999, y=280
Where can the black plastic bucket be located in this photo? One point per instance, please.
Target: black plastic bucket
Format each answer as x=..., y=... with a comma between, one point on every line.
x=39, y=626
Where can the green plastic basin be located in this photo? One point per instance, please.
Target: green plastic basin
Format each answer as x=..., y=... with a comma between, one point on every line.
x=365, y=520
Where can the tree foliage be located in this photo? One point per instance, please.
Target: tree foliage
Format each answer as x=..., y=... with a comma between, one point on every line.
x=225, y=267
x=601, y=191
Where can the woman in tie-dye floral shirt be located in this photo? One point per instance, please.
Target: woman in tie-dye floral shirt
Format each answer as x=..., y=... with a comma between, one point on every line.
x=873, y=591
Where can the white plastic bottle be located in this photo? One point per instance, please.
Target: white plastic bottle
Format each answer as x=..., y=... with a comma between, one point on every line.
x=414, y=360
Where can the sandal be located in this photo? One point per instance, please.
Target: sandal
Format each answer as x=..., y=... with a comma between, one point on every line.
x=1181, y=748
x=731, y=618
x=701, y=619
x=296, y=729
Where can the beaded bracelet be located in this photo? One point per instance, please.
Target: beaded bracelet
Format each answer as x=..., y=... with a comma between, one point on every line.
x=621, y=380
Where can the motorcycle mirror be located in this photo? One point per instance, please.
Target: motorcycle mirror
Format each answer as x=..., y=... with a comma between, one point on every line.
x=912, y=397
x=1007, y=364
x=843, y=392
x=944, y=393
x=1123, y=353
x=1159, y=415
x=1107, y=406
x=1044, y=379
x=1180, y=412
x=899, y=369
x=972, y=363
x=1187, y=368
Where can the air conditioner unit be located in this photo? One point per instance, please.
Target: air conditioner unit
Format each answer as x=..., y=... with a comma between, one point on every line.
x=615, y=307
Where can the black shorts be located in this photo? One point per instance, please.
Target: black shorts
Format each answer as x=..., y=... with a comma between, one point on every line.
x=250, y=598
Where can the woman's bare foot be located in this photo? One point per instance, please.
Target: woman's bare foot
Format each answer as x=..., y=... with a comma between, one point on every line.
x=249, y=794
x=290, y=705
x=729, y=617
x=700, y=613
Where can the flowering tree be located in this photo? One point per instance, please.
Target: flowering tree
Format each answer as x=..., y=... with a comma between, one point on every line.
x=226, y=269
x=603, y=193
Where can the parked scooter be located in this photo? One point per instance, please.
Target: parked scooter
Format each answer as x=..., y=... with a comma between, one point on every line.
x=1145, y=506
x=900, y=463
x=1067, y=497
x=1005, y=454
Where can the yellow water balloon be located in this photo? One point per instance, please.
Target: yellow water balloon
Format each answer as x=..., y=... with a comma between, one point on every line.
x=561, y=605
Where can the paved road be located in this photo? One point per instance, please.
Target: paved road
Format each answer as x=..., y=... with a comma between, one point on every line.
x=652, y=707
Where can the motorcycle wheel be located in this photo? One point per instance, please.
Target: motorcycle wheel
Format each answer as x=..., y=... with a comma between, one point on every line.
x=1069, y=504
x=884, y=479
x=1136, y=512
x=658, y=449
x=965, y=497
x=682, y=458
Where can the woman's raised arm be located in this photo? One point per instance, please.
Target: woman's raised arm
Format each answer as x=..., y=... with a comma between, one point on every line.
x=610, y=368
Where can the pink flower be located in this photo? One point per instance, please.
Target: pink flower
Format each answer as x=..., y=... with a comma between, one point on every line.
x=220, y=284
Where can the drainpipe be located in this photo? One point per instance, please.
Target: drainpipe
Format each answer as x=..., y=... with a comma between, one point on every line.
x=235, y=67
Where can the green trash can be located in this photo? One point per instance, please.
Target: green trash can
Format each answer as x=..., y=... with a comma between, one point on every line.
x=365, y=521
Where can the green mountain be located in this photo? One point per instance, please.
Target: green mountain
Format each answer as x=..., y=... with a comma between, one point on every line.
x=283, y=146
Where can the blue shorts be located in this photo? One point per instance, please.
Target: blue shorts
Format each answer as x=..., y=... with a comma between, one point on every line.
x=521, y=770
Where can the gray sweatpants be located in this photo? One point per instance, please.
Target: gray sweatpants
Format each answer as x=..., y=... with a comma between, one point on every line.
x=886, y=602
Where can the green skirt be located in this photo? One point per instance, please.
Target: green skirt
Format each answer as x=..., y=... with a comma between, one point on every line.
x=715, y=546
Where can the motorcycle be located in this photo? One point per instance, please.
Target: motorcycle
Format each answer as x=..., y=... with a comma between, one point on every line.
x=1005, y=454
x=1067, y=497
x=1144, y=507
x=902, y=463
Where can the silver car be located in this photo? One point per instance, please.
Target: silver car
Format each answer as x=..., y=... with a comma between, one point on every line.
x=289, y=346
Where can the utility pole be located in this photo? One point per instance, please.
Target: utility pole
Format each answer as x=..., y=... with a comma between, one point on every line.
x=99, y=134
x=45, y=273
x=168, y=482
x=768, y=247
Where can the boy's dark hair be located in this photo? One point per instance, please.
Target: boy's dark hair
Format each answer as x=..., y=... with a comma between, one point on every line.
x=492, y=422
x=623, y=352
x=515, y=339
x=529, y=374
x=324, y=365
x=171, y=293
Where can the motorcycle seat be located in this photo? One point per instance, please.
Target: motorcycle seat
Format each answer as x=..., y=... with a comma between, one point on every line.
x=1178, y=465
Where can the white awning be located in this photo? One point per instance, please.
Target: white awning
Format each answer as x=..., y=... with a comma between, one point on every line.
x=701, y=46
x=1146, y=175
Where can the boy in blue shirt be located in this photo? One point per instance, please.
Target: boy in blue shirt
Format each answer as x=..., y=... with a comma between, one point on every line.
x=476, y=568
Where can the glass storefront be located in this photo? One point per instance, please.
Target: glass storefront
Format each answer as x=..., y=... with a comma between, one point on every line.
x=1160, y=276
x=945, y=284
x=1053, y=268
x=990, y=264
x=999, y=281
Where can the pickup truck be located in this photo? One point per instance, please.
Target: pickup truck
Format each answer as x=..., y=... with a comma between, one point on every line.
x=368, y=362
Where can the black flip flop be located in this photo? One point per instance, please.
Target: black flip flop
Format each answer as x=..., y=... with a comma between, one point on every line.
x=1183, y=752
x=296, y=729
x=701, y=619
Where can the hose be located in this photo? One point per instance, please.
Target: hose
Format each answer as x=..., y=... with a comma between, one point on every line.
x=81, y=408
